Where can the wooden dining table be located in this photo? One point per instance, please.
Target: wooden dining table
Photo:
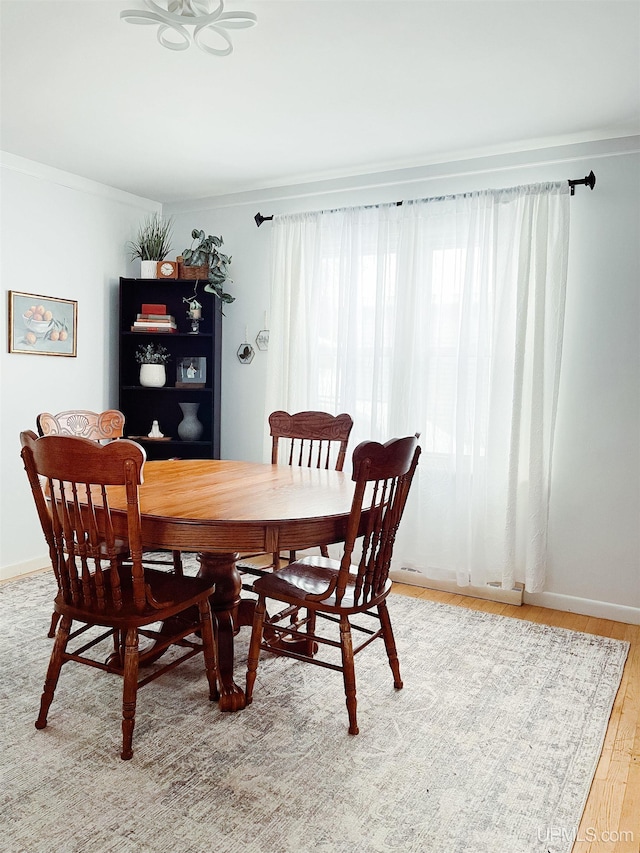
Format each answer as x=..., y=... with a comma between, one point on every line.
x=219, y=508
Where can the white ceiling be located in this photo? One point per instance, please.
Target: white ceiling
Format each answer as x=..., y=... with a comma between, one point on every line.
x=319, y=88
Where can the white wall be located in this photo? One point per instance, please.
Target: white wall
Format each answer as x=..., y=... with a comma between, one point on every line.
x=81, y=231
x=595, y=507
x=61, y=236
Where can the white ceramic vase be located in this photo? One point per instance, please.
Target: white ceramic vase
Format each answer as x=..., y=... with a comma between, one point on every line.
x=148, y=269
x=153, y=375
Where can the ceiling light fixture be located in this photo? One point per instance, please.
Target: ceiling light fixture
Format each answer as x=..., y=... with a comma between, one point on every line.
x=173, y=21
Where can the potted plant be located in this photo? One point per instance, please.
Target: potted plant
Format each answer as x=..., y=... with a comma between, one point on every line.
x=152, y=244
x=152, y=359
x=204, y=251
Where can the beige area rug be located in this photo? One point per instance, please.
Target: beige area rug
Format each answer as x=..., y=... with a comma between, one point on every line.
x=489, y=748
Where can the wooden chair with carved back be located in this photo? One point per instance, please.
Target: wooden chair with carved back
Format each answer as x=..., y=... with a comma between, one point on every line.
x=97, y=589
x=336, y=589
x=96, y=426
x=307, y=439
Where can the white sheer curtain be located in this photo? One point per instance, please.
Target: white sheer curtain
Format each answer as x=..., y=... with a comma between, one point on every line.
x=442, y=316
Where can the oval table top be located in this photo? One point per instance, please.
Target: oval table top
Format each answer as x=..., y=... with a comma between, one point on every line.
x=223, y=505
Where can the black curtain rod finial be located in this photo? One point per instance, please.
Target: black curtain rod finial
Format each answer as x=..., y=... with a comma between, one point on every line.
x=589, y=181
x=259, y=218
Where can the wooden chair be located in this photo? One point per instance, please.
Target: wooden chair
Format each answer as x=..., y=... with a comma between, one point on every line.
x=96, y=426
x=95, y=587
x=311, y=439
x=336, y=589
x=306, y=439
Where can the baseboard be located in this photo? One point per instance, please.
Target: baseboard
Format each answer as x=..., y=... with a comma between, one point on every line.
x=28, y=567
x=585, y=606
x=550, y=600
x=489, y=592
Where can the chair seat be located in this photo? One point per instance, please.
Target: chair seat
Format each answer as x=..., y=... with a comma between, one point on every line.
x=172, y=593
x=312, y=576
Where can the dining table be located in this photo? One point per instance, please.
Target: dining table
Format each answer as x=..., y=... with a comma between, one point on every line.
x=220, y=508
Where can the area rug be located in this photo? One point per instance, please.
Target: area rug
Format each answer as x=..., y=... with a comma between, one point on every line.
x=490, y=747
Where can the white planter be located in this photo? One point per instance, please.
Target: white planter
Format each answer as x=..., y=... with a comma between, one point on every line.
x=153, y=375
x=148, y=269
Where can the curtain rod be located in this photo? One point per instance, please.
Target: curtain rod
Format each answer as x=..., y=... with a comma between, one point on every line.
x=588, y=181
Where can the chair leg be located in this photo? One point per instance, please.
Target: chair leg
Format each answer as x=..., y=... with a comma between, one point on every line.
x=348, y=672
x=177, y=563
x=54, y=622
x=53, y=670
x=254, y=647
x=312, y=646
x=129, y=692
x=390, y=644
x=209, y=649
x=324, y=551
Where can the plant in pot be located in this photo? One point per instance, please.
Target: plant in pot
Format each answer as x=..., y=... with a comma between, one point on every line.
x=152, y=243
x=204, y=252
x=152, y=359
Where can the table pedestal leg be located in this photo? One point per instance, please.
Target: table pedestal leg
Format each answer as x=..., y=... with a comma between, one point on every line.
x=221, y=569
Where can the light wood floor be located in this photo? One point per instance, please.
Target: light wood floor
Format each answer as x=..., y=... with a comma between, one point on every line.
x=611, y=819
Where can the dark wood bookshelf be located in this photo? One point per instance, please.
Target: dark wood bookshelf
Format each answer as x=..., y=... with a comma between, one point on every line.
x=141, y=405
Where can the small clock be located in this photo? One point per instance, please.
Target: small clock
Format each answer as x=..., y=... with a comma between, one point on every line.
x=167, y=269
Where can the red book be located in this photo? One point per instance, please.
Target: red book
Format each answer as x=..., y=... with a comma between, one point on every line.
x=153, y=308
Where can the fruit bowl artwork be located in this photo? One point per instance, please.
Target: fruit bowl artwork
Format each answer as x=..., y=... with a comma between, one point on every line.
x=42, y=325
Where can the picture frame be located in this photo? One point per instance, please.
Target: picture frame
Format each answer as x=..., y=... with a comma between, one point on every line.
x=191, y=372
x=42, y=325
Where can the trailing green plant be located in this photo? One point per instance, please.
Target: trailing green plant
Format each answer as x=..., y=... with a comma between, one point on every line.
x=153, y=242
x=152, y=354
x=192, y=301
x=205, y=250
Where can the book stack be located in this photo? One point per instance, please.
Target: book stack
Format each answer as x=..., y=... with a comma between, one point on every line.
x=154, y=319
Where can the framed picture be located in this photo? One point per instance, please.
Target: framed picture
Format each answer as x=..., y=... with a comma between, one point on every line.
x=42, y=325
x=191, y=372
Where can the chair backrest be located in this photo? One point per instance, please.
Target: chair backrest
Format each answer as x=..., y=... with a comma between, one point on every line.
x=383, y=475
x=98, y=426
x=310, y=439
x=76, y=516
